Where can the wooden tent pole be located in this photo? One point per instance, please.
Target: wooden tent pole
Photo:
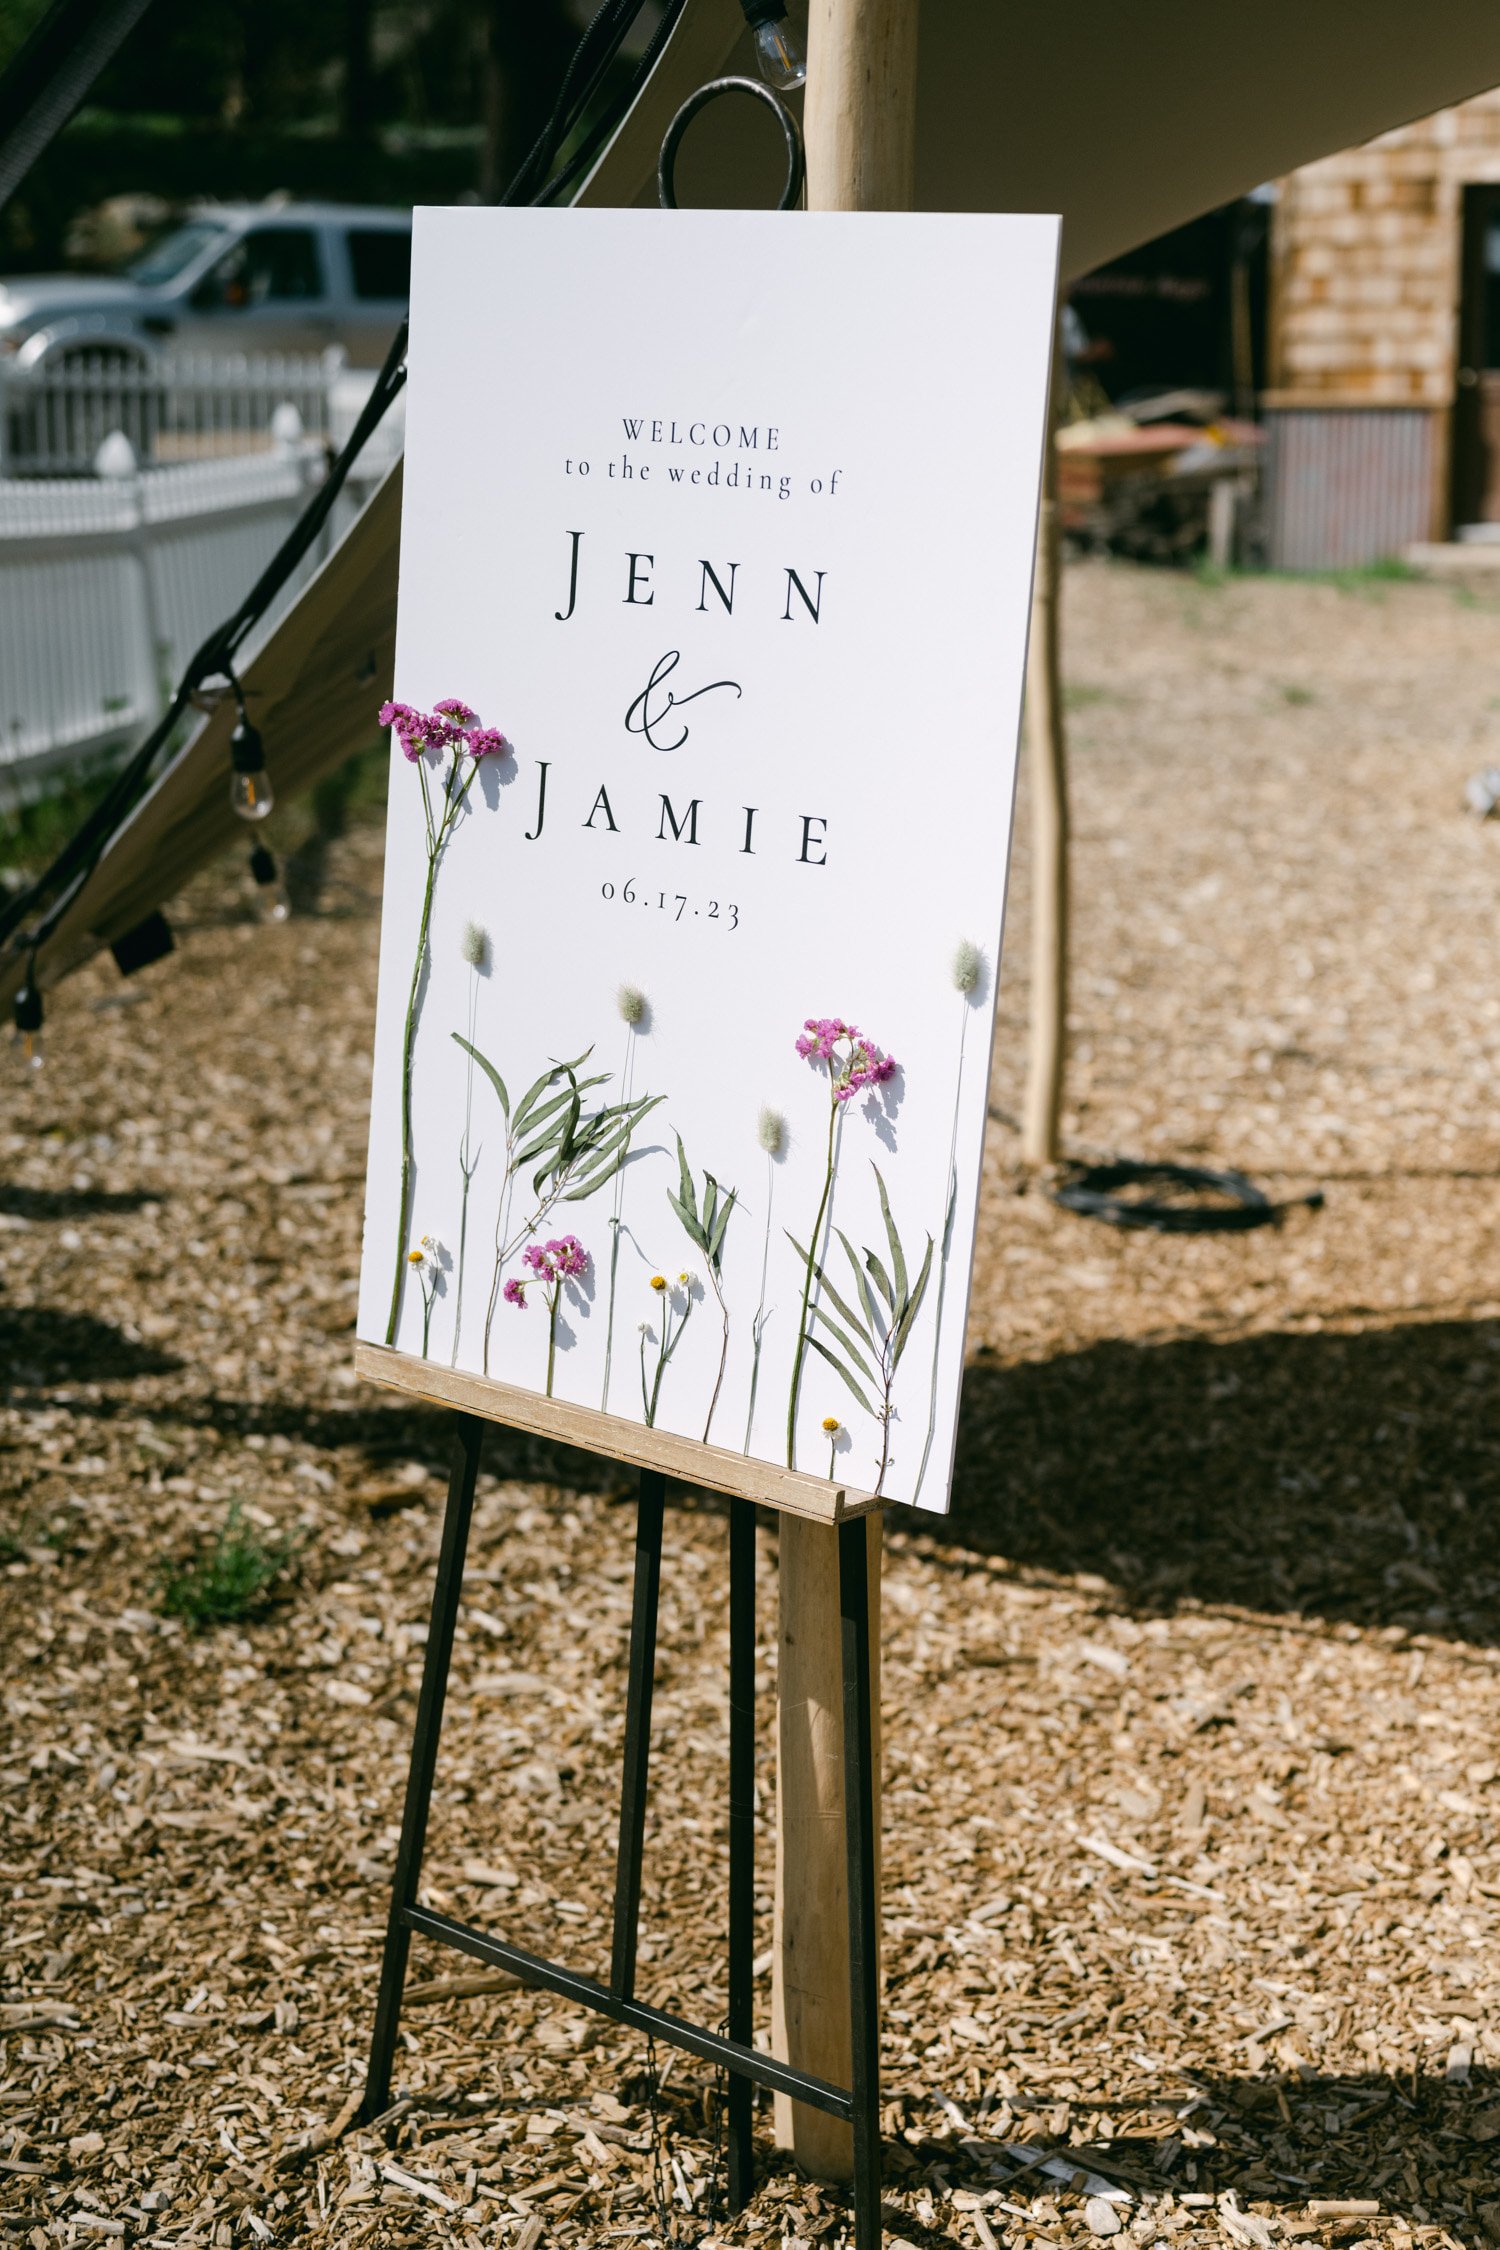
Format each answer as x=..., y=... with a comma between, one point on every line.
x=1047, y=772
x=859, y=122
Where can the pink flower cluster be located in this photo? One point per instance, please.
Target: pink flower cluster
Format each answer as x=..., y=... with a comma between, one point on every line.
x=449, y=725
x=861, y=1064
x=562, y=1259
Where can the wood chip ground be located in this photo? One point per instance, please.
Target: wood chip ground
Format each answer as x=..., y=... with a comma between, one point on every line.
x=1192, y=1854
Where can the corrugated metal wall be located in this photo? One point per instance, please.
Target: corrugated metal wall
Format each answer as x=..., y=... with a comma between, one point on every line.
x=1347, y=485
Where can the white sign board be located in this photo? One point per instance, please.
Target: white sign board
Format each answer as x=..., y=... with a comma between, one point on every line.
x=718, y=531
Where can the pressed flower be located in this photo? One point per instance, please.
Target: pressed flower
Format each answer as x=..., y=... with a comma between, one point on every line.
x=675, y=1315
x=551, y=1264
x=427, y=1258
x=853, y=1062
x=832, y=1424
x=631, y=1004
x=475, y=948
x=448, y=726
x=860, y=1064
x=968, y=967
x=428, y=1255
x=770, y=1131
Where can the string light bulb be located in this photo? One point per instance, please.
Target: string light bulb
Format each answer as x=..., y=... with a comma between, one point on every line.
x=778, y=51
x=270, y=889
x=250, y=791
x=28, y=1017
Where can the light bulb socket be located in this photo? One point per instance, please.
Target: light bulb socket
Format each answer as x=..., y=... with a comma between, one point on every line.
x=263, y=865
x=757, y=12
x=247, y=753
x=28, y=1010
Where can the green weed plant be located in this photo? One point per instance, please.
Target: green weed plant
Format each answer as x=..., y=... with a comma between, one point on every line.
x=230, y=1578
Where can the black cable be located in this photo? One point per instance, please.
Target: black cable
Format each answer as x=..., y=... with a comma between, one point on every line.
x=584, y=157
x=1094, y=1192
x=604, y=33
x=52, y=75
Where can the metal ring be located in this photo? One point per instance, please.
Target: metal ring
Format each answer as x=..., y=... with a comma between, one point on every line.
x=666, y=164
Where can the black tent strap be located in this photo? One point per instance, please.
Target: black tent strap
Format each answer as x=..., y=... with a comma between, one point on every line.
x=52, y=75
x=594, y=141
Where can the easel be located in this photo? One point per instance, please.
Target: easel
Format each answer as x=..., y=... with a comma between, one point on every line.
x=859, y=129
x=476, y=1401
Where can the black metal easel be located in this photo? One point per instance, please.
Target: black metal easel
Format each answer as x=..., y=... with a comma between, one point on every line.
x=731, y=2052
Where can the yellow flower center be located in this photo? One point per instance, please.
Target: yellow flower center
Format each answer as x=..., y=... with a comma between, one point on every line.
x=830, y=1423
x=658, y=1282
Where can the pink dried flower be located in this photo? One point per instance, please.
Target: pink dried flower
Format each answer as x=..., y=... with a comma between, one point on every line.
x=449, y=725
x=561, y=1259
x=514, y=1294
x=860, y=1063
x=411, y=727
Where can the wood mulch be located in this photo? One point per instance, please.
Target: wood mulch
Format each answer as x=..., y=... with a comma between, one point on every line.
x=1192, y=1855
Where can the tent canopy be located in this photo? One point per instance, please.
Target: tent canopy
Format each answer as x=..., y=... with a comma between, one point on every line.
x=1128, y=121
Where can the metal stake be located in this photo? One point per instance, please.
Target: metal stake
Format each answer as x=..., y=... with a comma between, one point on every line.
x=861, y=1843
x=637, y=1733
x=468, y=1442
x=740, y=2100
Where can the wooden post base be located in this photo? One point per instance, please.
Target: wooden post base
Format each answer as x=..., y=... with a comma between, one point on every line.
x=810, y=2012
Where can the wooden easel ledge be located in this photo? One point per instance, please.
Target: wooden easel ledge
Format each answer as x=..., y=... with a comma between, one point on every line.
x=691, y=1462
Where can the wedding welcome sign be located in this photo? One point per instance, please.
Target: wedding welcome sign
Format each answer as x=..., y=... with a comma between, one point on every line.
x=715, y=577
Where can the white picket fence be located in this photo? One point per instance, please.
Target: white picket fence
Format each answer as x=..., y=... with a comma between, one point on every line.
x=109, y=582
x=184, y=406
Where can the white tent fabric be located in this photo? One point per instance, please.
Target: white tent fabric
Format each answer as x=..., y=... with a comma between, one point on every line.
x=1128, y=120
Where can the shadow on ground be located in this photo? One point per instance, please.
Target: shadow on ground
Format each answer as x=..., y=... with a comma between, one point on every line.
x=69, y=1203
x=1350, y=1477
x=40, y=1346
x=1419, y=2148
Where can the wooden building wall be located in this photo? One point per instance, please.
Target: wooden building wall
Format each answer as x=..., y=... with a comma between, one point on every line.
x=1365, y=280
